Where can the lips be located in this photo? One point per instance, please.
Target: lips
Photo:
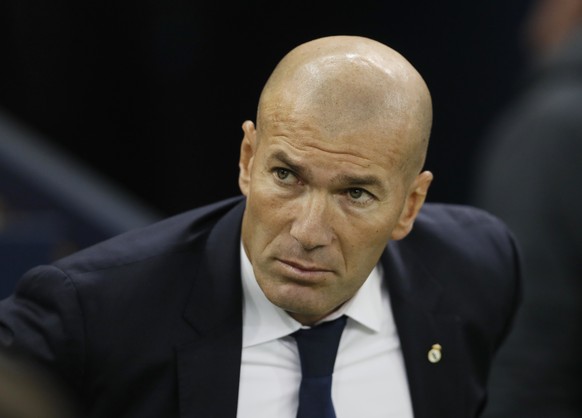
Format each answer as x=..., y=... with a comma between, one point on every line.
x=303, y=271
x=304, y=266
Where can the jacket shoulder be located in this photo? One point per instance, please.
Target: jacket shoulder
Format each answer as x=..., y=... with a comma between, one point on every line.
x=448, y=214
x=469, y=252
x=461, y=227
x=473, y=255
x=174, y=234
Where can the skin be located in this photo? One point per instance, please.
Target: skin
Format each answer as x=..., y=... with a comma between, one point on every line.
x=332, y=172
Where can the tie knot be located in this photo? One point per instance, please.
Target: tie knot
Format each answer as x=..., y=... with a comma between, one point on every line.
x=318, y=347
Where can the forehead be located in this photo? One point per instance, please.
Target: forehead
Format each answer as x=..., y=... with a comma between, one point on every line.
x=308, y=133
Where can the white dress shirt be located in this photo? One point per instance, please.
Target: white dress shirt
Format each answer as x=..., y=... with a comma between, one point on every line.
x=369, y=379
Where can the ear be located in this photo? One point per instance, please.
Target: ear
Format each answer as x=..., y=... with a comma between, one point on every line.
x=247, y=154
x=414, y=201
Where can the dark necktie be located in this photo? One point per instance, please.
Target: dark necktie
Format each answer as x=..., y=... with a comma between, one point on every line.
x=317, y=350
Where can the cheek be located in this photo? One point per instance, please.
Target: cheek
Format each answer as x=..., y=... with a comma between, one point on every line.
x=272, y=205
x=364, y=246
x=267, y=215
x=365, y=251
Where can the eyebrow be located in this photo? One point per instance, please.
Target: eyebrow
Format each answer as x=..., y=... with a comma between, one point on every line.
x=285, y=159
x=343, y=179
x=354, y=181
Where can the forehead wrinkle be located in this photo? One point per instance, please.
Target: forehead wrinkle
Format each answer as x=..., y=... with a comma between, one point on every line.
x=349, y=179
x=285, y=125
x=349, y=155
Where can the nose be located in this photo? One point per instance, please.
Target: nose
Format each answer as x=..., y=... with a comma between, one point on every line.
x=312, y=223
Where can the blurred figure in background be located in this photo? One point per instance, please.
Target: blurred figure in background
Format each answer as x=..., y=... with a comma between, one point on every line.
x=27, y=391
x=530, y=176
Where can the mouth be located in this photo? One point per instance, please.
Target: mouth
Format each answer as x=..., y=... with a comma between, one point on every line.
x=303, y=271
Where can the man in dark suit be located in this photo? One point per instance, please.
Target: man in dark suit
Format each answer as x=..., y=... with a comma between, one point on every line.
x=195, y=316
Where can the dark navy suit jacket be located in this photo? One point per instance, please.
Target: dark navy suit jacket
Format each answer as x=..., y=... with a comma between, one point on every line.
x=149, y=323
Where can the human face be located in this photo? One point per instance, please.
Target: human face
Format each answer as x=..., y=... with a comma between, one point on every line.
x=320, y=211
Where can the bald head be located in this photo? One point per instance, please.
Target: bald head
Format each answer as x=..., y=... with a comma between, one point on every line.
x=348, y=83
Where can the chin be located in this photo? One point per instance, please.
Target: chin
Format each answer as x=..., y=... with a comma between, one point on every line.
x=298, y=302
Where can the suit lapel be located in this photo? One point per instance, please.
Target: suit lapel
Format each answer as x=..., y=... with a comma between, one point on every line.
x=435, y=388
x=209, y=366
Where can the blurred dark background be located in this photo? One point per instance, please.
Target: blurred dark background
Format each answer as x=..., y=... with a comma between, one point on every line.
x=149, y=97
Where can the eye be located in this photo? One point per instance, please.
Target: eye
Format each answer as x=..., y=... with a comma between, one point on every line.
x=360, y=196
x=282, y=173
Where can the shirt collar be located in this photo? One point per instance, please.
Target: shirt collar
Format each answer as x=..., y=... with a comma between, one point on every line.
x=264, y=321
